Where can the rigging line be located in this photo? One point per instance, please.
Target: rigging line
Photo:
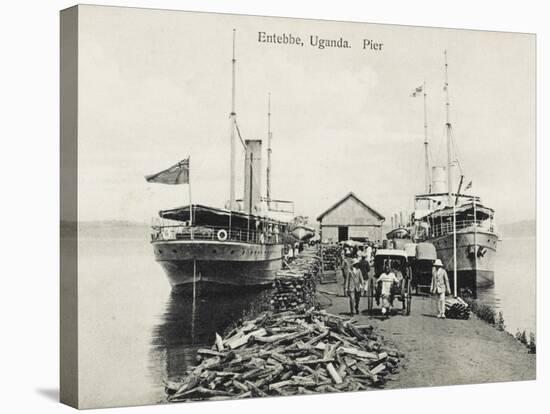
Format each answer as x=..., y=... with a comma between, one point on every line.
x=239, y=134
x=456, y=155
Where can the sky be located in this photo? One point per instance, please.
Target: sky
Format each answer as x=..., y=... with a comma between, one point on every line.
x=155, y=87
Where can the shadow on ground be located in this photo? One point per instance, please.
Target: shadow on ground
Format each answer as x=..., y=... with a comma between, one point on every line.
x=49, y=393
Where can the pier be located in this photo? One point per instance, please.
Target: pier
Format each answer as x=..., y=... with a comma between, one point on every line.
x=308, y=342
x=443, y=352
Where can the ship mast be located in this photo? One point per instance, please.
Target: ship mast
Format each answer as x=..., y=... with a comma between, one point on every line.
x=269, y=137
x=449, y=176
x=233, y=126
x=427, y=172
x=448, y=130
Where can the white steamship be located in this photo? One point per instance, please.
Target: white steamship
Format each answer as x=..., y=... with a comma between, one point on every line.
x=206, y=250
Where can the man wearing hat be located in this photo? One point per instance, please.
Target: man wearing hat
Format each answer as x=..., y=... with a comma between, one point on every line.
x=354, y=286
x=346, y=269
x=440, y=287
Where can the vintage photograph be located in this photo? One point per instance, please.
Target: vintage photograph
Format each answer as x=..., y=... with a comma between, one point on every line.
x=276, y=207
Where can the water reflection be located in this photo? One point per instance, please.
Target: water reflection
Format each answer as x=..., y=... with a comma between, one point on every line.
x=489, y=296
x=188, y=325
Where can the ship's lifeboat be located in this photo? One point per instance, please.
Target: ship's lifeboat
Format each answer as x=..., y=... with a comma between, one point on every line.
x=302, y=232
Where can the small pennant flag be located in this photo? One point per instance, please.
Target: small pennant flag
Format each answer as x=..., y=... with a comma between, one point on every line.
x=468, y=186
x=417, y=91
x=176, y=174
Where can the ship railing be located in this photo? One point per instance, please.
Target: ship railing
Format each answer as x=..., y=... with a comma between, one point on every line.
x=447, y=228
x=172, y=232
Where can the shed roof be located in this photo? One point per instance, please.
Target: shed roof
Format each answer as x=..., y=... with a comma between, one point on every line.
x=351, y=194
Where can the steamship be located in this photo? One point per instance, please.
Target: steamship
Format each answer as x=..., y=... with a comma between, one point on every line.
x=206, y=250
x=461, y=228
x=463, y=222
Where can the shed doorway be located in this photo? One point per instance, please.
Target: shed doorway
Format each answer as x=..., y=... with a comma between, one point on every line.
x=343, y=233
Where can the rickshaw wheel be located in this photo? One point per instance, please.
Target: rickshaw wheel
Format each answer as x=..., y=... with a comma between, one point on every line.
x=409, y=299
x=370, y=296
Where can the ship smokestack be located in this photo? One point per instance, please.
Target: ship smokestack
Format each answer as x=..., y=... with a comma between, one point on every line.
x=252, y=176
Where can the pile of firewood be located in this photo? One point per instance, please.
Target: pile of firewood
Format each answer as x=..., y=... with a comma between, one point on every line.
x=288, y=353
x=331, y=256
x=295, y=288
x=456, y=308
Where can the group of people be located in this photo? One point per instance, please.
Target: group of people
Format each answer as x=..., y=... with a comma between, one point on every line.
x=356, y=265
x=356, y=274
x=267, y=232
x=355, y=271
x=368, y=250
x=291, y=250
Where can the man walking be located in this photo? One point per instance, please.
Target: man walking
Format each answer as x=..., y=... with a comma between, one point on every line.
x=368, y=252
x=354, y=286
x=365, y=269
x=346, y=268
x=440, y=286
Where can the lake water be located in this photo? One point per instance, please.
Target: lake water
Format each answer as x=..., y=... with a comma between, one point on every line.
x=514, y=292
x=134, y=333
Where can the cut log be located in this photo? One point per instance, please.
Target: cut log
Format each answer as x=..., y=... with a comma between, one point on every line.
x=297, y=352
x=378, y=369
x=219, y=342
x=243, y=339
x=334, y=374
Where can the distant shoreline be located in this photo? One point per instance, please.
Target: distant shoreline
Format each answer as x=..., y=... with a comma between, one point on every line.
x=518, y=230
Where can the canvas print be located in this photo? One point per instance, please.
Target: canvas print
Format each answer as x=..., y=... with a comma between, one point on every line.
x=258, y=206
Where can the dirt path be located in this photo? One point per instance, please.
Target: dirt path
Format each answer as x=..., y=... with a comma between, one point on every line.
x=443, y=352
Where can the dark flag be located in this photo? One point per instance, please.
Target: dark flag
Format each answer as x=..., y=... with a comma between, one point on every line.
x=417, y=91
x=176, y=174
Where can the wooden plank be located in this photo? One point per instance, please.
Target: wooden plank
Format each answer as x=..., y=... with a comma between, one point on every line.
x=219, y=342
x=241, y=340
x=334, y=374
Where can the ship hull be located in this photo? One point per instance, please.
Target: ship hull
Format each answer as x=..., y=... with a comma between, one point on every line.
x=476, y=253
x=212, y=267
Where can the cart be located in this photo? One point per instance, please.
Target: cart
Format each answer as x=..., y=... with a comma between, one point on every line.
x=396, y=259
x=422, y=266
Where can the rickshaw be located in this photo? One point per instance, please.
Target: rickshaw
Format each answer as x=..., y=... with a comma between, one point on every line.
x=396, y=259
x=426, y=255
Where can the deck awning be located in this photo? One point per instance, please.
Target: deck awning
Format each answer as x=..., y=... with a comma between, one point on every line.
x=210, y=216
x=400, y=233
x=464, y=212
